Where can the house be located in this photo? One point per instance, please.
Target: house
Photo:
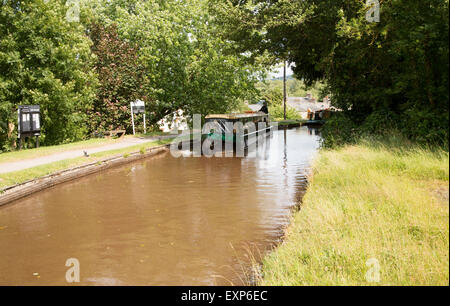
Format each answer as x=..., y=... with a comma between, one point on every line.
x=308, y=104
x=303, y=105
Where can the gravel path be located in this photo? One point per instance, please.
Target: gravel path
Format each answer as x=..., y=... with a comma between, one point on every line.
x=30, y=163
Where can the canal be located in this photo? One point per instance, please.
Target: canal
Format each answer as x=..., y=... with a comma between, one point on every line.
x=160, y=221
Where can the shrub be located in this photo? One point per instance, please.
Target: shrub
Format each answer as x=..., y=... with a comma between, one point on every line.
x=277, y=113
x=339, y=130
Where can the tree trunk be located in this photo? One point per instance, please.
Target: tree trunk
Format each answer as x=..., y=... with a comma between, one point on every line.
x=11, y=128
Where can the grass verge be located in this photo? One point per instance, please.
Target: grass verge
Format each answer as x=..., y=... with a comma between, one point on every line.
x=282, y=123
x=371, y=210
x=12, y=178
x=45, y=151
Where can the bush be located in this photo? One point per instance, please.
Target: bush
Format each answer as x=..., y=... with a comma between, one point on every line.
x=425, y=126
x=382, y=122
x=400, y=63
x=420, y=127
x=46, y=61
x=273, y=96
x=339, y=130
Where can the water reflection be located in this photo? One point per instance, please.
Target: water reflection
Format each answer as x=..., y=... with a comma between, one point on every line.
x=162, y=221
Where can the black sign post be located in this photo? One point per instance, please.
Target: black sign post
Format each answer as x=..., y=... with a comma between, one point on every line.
x=29, y=123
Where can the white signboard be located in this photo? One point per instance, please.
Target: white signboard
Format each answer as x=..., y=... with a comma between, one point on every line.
x=138, y=107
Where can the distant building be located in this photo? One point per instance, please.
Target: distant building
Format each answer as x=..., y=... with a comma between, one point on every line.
x=303, y=105
x=174, y=123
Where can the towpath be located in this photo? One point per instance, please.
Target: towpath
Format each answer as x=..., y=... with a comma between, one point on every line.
x=34, y=162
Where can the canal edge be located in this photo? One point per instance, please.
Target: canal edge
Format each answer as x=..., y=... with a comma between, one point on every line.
x=16, y=192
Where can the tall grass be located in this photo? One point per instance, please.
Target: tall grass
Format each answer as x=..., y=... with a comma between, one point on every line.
x=385, y=202
x=45, y=151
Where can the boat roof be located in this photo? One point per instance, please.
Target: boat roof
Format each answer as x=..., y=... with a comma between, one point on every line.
x=236, y=116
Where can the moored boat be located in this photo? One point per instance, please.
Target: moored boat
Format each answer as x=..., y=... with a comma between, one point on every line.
x=236, y=127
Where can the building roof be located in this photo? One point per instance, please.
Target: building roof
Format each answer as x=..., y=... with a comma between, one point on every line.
x=302, y=104
x=255, y=107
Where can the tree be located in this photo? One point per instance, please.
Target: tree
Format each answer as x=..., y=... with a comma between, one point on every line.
x=121, y=79
x=395, y=70
x=44, y=60
x=186, y=66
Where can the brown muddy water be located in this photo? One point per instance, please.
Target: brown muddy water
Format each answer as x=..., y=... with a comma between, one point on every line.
x=161, y=221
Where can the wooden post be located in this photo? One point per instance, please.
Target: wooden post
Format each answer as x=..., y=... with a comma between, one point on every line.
x=11, y=128
x=145, y=125
x=132, y=119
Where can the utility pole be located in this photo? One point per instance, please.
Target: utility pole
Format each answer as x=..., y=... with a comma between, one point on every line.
x=284, y=90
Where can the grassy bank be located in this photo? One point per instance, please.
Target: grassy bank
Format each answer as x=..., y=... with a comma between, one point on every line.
x=369, y=201
x=283, y=123
x=12, y=178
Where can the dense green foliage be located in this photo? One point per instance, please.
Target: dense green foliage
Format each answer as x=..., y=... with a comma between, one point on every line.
x=183, y=57
x=206, y=56
x=44, y=60
x=391, y=74
x=121, y=78
x=85, y=71
x=277, y=113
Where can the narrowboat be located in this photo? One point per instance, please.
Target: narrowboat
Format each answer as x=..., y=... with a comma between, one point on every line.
x=318, y=117
x=234, y=127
